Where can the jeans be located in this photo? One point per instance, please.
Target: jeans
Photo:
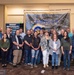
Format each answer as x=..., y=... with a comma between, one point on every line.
x=72, y=53
x=54, y=59
x=4, y=57
x=0, y=53
x=66, y=58
x=27, y=56
x=34, y=56
x=45, y=57
x=39, y=57
x=59, y=58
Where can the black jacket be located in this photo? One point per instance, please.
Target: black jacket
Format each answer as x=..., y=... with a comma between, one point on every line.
x=14, y=40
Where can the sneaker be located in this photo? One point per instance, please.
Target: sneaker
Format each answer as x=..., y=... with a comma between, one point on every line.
x=10, y=63
x=3, y=65
x=14, y=65
x=68, y=69
x=42, y=71
x=47, y=65
x=64, y=68
x=44, y=66
x=31, y=66
x=25, y=64
x=29, y=63
x=35, y=66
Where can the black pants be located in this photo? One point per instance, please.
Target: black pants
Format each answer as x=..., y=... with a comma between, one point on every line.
x=4, y=57
x=0, y=53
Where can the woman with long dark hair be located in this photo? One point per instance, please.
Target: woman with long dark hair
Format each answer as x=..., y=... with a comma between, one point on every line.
x=5, y=44
x=35, y=49
x=66, y=50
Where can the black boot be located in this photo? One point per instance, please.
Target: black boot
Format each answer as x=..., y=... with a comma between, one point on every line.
x=52, y=67
x=56, y=67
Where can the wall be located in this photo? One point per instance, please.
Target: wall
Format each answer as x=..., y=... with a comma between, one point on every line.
x=34, y=1
x=2, y=17
x=15, y=13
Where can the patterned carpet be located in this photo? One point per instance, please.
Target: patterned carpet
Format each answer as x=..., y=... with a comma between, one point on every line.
x=26, y=70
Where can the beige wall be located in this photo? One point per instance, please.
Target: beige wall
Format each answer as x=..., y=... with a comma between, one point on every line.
x=15, y=13
x=2, y=16
x=34, y=1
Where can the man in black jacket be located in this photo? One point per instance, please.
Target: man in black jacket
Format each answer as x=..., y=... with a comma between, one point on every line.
x=17, y=49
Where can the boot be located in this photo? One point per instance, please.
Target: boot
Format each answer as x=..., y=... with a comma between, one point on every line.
x=52, y=67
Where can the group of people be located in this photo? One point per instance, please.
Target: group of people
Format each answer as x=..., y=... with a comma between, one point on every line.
x=34, y=47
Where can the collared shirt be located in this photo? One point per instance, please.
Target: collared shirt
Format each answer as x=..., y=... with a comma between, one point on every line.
x=70, y=35
x=8, y=35
x=29, y=40
x=22, y=35
x=17, y=41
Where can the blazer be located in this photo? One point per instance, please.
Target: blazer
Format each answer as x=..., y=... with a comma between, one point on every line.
x=14, y=40
x=10, y=40
x=51, y=46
